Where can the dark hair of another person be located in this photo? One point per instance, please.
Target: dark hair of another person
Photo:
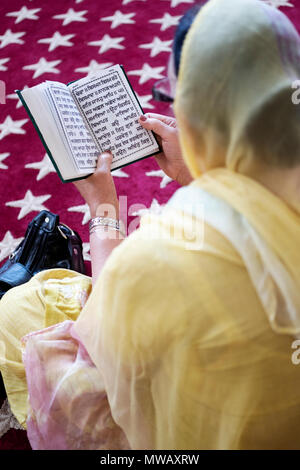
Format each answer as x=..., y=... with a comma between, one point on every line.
x=183, y=26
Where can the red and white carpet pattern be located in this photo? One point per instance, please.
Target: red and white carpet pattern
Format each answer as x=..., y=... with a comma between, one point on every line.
x=66, y=40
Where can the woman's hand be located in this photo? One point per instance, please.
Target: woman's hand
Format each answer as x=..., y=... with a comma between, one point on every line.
x=170, y=160
x=99, y=190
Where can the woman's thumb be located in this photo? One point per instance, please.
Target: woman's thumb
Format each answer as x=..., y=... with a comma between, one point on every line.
x=155, y=125
x=104, y=161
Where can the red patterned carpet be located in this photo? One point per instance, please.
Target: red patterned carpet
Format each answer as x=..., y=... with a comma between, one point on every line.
x=64, y=41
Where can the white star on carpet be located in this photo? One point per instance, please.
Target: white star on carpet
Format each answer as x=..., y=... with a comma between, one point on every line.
x=78, y=1
x=157, y=46
x=166, y=21
x=155, y=208
x=45, y=166
x=71, y=15
x=29, y=204
x=125, y=2
x=7, y=419
x=118, y=18
x=3, y=67
x=11, y=38
x=43, y=66
x=161, y=174
x=93, y=67
x=14, y=96
x=12, y=127
x=57, y=40
x=24, y=14
x=147, y=73
x=86, y=251
x=3, y=156
x=144, y=100
x=119, y=173
x=279, y=3
x=107, y=43
x=84, y=209
x=8, y=245
x=174, y=3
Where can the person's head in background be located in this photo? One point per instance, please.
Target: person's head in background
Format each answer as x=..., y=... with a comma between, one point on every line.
x=164, y=89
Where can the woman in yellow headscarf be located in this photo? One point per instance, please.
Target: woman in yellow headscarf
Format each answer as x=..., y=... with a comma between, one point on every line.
x=187, y=336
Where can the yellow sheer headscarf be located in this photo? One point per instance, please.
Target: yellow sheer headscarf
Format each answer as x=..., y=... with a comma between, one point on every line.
x=234, y=94
x=234, y=106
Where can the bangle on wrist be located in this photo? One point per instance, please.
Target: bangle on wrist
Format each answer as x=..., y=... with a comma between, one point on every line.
x=97, y=222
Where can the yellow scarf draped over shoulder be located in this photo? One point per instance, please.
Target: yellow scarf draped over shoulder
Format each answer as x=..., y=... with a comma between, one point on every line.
x=193, y=318
x=190, y=355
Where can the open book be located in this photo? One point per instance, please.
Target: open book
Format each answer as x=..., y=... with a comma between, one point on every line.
x=78, y=121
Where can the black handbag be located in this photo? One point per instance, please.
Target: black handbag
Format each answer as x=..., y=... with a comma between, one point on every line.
x=47, y=244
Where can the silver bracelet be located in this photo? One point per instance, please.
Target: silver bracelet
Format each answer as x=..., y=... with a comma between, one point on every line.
x=104, y=222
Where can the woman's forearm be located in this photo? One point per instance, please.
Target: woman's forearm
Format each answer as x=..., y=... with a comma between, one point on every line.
x=102, y=243
x=99, y=192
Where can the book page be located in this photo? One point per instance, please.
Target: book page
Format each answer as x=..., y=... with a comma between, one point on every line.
x=72, y=127
x=111, y=110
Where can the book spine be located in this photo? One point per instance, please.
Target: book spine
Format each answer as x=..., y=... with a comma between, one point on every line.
x=19, y=93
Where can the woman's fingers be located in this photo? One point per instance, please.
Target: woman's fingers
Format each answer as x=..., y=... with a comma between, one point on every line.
x=166, y=119
x=155, y=125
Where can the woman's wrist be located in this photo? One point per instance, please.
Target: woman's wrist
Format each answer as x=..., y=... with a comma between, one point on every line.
x=103, y=240
x=98, y=209
x=106, y=234
x=105, y=225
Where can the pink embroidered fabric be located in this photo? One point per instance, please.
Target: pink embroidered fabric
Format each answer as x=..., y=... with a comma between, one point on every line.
x=60, y=392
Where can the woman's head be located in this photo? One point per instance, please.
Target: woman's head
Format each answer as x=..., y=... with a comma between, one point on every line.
x=234, y=95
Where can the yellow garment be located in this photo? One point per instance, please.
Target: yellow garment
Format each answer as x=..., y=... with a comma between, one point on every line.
x=180, y=337
x=48, y=298
x=188, y=355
